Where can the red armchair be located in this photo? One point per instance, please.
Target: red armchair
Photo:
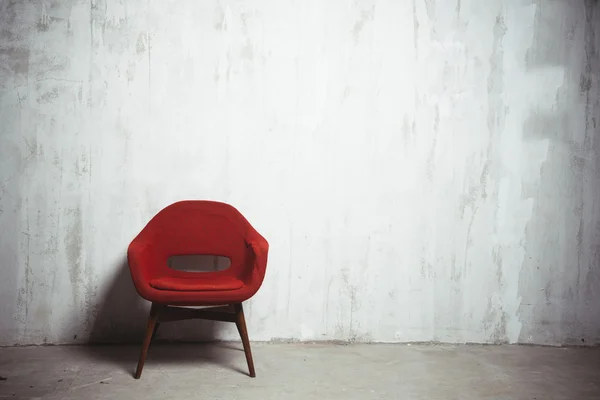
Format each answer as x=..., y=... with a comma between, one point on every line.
x=189, y=228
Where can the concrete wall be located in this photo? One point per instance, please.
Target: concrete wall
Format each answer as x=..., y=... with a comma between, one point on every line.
x=424, y=170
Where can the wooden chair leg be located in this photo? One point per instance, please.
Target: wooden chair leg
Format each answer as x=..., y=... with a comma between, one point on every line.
x=240, y=322
x=150, y=331
x=154, y=332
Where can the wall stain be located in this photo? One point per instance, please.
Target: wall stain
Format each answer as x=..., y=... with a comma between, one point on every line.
x=499, y=334
x=25, y=292
x=495, y=320
x=407, y=130
x=290, y=271
x=82, y=165
x=14, y=49
x=74, y=249
x=468, y=240
x=49, y=96
x=483, y=178
x=91, y=307
x=430, y=6
x=496, y=117
x=141, y=44
x=468, y=200
x=220, y=21
x=584, y=291
x=415, y=29
x=57, y=163
x=14, y=59
x=496, y=108
x=552, y=24
x=568, y=179
x=346, y=93
x=351, y=290
x=430, y=158
x=427, y=270
x=43, y=24
x=247, y=51
x=326, y=310
x=497, y=258
x=366, y=16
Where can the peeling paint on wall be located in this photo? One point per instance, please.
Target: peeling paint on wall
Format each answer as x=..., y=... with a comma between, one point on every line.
x=423, y=170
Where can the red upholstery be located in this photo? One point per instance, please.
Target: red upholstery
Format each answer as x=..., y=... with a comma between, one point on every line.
x=194, y=285
x=198, y=227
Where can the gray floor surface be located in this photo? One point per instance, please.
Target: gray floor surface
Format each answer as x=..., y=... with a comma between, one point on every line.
x=302, y=371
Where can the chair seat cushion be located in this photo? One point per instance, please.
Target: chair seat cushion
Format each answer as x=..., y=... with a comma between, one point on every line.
x=196, y=284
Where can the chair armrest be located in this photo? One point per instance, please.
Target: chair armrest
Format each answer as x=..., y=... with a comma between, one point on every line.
x=260, y=249
x=143, y=262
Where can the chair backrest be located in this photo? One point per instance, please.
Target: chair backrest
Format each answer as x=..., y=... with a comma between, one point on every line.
x=199, y=227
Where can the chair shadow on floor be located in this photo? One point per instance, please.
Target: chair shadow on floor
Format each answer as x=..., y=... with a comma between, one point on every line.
x=119, y=324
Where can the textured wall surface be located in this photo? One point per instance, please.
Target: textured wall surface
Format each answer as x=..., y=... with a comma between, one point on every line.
x=424, y=170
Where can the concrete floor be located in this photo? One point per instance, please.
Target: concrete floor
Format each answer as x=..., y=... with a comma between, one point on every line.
x=302, y=371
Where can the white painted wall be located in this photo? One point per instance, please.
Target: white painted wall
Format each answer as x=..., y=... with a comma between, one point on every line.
x=424, y=171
